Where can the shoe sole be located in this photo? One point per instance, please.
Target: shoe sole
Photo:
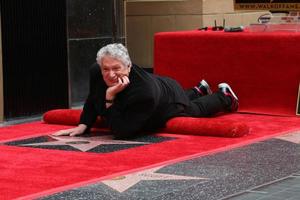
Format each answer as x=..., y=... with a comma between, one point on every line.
x=222, y=85
x=205, y=84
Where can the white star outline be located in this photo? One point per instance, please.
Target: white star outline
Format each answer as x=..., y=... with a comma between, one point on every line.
x=82, y=143
x=293, y=137
x=123, y=183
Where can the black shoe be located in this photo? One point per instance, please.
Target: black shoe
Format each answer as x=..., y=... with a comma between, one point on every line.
x=226, y=89
x=203, y=88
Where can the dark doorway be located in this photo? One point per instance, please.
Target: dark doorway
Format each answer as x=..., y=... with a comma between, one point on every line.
x=35, y=61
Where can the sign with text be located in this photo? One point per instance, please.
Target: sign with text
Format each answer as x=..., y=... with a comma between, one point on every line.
x=273, y=5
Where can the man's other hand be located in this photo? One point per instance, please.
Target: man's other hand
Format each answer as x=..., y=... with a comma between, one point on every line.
x=112, y=91
x=72, y=131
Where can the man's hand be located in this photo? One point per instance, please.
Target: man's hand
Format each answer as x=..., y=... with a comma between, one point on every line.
x=112, y=91
x=72, y=131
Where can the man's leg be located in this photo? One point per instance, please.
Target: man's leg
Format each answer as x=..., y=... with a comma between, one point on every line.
x=222, y=101
x=192, y=94
x=208, y=105
x=200, y=90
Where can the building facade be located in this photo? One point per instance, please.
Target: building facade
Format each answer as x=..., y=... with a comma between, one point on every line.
x=48, y=45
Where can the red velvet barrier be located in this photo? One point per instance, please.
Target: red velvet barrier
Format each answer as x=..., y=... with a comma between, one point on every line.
x=262, y=68
x=181, y=125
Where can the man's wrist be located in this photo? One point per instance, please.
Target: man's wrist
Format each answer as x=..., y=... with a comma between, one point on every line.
x=109, y=100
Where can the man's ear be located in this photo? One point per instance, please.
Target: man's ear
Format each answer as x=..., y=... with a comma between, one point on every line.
x=129, y=68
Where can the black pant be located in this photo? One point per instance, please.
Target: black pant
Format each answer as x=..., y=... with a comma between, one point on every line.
x=208, y=105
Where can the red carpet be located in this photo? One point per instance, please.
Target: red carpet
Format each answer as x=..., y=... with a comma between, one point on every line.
x=30, y=172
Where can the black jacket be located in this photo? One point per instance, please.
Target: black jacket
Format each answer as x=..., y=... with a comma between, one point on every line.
x=144, y=105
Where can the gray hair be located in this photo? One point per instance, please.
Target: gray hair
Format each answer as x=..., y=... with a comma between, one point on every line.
x=115, y=50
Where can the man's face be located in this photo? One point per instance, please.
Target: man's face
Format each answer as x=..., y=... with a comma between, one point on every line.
x=112, y=69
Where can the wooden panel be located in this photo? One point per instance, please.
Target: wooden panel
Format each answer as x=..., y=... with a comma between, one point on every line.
x=165, y=7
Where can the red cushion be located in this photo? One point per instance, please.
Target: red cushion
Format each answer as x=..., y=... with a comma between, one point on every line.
x=180, y=125
x=66, y=117
x=215, y=126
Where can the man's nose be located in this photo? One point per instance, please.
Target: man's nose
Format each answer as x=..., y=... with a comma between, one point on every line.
x=111, y=73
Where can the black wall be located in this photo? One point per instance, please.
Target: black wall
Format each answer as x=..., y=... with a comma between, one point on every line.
x=34, y=45
x=91, y=24
x=48, y=46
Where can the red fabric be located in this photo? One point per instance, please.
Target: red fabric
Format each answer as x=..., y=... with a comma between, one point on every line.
x=67, y=117
x=26, y=171
x=180, y=125
x=207, y=127
x=33, y=128
x=262, y=68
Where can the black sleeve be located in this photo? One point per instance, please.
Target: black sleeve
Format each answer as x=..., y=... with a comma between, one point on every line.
x=89, y=113
x=129, y=121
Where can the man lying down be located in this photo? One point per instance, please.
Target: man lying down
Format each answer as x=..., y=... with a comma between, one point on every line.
x=133, y=101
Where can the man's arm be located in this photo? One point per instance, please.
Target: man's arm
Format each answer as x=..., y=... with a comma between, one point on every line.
x=89, y=113
x=131, y=120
